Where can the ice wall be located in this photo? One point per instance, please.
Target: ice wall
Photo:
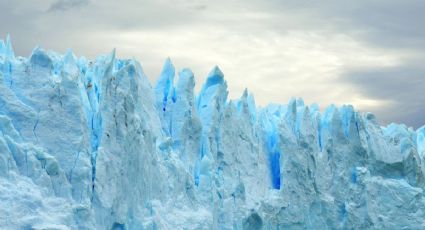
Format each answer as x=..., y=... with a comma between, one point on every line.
x=92, y=145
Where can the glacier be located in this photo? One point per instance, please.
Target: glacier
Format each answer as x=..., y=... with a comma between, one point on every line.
x=91, y=144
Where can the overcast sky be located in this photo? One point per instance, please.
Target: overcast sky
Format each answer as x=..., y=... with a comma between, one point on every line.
x=370, y=54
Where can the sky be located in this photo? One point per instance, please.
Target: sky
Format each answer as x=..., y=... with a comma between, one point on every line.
x=370, y=54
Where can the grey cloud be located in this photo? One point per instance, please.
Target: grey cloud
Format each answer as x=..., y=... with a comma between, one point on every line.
x=64, y=5
x=199, y=7
x=389, y=25
x=403, y=87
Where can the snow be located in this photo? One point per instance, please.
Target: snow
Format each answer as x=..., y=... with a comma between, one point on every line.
x=92, y=145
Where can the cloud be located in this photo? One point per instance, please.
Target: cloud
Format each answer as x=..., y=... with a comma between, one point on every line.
x=402, y=87
x=64, y=5
x=322, y=51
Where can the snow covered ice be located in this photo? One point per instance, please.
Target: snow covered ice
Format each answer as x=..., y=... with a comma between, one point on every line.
x=92, y=145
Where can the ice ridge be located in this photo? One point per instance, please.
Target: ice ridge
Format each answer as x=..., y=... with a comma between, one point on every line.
x=92, y=145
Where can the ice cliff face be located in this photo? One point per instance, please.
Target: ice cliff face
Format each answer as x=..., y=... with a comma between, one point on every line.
x=92, y=145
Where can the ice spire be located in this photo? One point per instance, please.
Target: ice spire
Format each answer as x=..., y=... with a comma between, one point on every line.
x=2, y=47
x=8, y=48
x=70, y=63
x=212, y=96
x=69, y=57
x=183, y=104
x=420, y=140
x=214, y=77
x=210, y=106
x=164, y=87
x=40, y=58
x=246, y=105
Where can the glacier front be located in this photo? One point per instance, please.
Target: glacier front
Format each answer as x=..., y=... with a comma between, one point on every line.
x=92, y=145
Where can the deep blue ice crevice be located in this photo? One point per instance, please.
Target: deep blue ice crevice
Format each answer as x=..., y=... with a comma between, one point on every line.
x=173, y=95
x=347, y=114
x=357, y=126
x=96, y=131
x=95, y=84
x=319, y=137
x=271, y=140
x=354, y=175
x=343, y=214
x=96, y=119
x=274, y=159
x=93, y=114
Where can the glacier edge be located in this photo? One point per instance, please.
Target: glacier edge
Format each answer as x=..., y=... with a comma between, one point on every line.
x=92, y=145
